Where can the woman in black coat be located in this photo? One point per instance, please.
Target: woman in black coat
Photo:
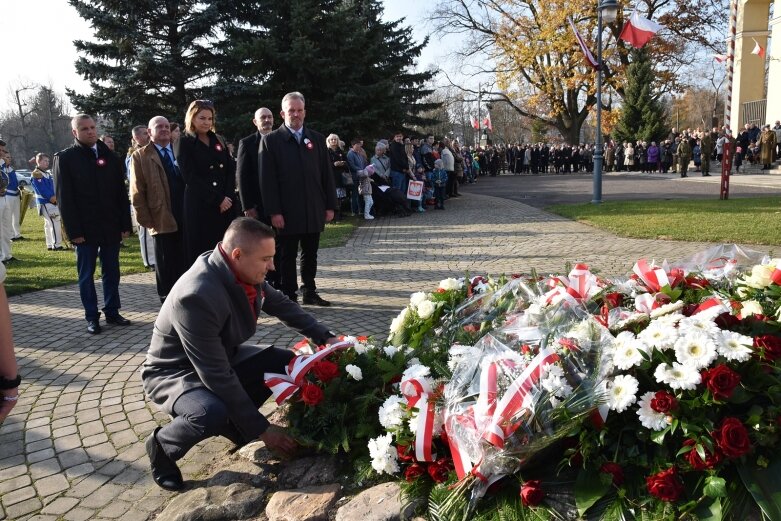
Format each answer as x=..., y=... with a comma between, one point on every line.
x=209, y=174
x=339, y=167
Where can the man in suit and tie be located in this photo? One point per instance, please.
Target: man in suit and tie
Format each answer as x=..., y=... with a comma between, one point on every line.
x=157, y=194
x=95, y=211
x=198, y=368
x=248, y=177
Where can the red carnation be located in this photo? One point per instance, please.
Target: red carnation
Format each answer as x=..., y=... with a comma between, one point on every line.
x=665, y=485
x=614, y=300
x=311, y=394
x=711, y=458
x=414, y=471
x=404, y=452
x=663, y=402
x=721, y=381
x=770, y=346
x=616, y=470
x=732, y=438
x=438, y=471
x=532, y=493
x=325, y=371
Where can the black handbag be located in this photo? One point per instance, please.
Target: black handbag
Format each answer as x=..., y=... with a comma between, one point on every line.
x=347, y=179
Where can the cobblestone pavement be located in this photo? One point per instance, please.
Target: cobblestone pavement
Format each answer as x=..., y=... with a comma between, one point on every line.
x=73, y=447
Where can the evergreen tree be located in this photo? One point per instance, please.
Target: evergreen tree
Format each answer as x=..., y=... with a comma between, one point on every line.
x=353, y=68
x=642, y=115
x=149, y=58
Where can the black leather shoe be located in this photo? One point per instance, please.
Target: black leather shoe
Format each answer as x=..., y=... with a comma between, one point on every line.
x=164, y=470
x=93, y=327
x=117, y=320
x=313, y=299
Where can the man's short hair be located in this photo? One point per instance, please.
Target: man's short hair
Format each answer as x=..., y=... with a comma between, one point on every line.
x=78, y=118
x=41, y=155
x=356, y=141
x=3, y=143
x=291, y=96
x=138, y=128
x=245, y=233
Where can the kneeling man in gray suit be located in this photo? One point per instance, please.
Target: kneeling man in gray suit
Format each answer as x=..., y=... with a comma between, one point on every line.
x=198, y=368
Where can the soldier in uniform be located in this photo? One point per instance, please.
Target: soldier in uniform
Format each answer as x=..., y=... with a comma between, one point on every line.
x=684, y=151
x=706, y=148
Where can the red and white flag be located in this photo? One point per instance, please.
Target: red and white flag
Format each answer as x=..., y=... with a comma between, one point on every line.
x=721, y=58
x=583, y=47
x=487, y=123
x=758, y=49
x=638, y=31
x=475, y=122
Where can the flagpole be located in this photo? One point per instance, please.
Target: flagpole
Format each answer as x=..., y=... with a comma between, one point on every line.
x=610, y=7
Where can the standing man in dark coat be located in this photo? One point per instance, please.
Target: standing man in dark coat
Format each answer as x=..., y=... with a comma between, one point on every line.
x=299, y=194
x=95, y=211
x=248, y=177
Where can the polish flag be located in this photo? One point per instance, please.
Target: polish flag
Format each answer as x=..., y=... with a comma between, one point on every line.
x=487, y=123
x=583, y=47
x=758, y=49
x=720, y=58
x=638, y=31
x=475, y=122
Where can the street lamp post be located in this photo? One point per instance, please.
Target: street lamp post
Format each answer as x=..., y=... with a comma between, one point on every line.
x=607, y=11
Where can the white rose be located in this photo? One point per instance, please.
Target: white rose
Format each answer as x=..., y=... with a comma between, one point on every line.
x=760, y=276
x=398, y=322
x=417, y=298
x=450, y=284
x=751, y=307
x=354, y=371
x=425, y=309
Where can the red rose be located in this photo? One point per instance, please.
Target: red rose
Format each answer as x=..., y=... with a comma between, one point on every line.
x=727, y=321
x=665, y=485
x=438, y=471
x=325, y=371
x=663, y=402
x=614, y=300
x=711, y=458
x=404, y=452
x=721, y=381
x=689, y=309
x=732, y=438
x=614, y=469
x=532, y=493
x=414, y=471
x=697, y=282
x=770, y=346
x=471, y=328
x=311, y=394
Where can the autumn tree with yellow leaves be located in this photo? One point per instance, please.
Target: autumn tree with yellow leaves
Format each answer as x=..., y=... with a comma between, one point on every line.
x=539, y=68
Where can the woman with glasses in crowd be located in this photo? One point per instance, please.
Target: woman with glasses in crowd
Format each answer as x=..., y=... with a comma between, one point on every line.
x=209, y=173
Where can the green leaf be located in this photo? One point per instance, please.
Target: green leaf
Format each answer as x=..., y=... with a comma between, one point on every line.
x=715, y=487
x=590, y=486
x=709, y=510
x=658, y=436
x=765, y=486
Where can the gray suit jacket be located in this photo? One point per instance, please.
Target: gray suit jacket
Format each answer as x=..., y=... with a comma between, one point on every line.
x=198, y=339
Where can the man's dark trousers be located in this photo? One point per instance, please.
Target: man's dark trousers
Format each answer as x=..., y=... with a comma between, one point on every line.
x=200, y=414
x=86, y=259
x=169, y=259
x=289, y=244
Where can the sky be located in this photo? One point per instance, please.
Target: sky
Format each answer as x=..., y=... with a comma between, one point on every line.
x=38, y=40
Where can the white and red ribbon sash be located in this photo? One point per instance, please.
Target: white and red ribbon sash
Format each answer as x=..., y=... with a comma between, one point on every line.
x=707, y=304
x=646, y=302
x=461, y=458
x=580, y=285
x=654, y=278
x=417, y=391
x=517, y=397
x=283, y=386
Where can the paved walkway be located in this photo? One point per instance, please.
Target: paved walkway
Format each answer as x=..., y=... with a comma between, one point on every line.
x=73, y=447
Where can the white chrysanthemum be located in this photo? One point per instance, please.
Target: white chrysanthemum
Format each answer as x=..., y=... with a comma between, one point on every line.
x=659, y=335
x=361, y=347
x=450, y=284
x=417, y=298
x=622, y=392
x=750, y=307
x=666, y=309
x=554, y=382
x=734, y=346
x=391, y=412
x=354, y=371
x=390, y=350
x=425, y=309
x=398, y=322
x=415, y=371
x=698, y=323
x=678, y=376
x=696, y=350
x=671, y=320
x=437, y=426
x=650, y=418
x=384, y=456
x=628, y=350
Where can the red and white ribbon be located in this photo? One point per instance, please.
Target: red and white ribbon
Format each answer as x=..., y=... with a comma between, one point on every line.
x=654, y=278
x=646, y=302
x=462, y=461
x=712, y=302
x=517, y=397
x=418, y=391
x=283, y=386
x=580, y=285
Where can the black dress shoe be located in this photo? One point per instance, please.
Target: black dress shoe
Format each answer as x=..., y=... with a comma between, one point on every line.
x=93, y=327
x=313, y=299
x=164, y=470
x=117, y=320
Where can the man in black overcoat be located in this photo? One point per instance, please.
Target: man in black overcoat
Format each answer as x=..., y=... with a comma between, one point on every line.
x=95, y=211
x=299, y=195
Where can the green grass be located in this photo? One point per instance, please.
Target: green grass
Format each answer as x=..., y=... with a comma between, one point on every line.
x=745, y=221
x=39, y=268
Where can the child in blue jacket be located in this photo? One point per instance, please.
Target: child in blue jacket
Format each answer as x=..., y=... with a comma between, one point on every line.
x=439, y=180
